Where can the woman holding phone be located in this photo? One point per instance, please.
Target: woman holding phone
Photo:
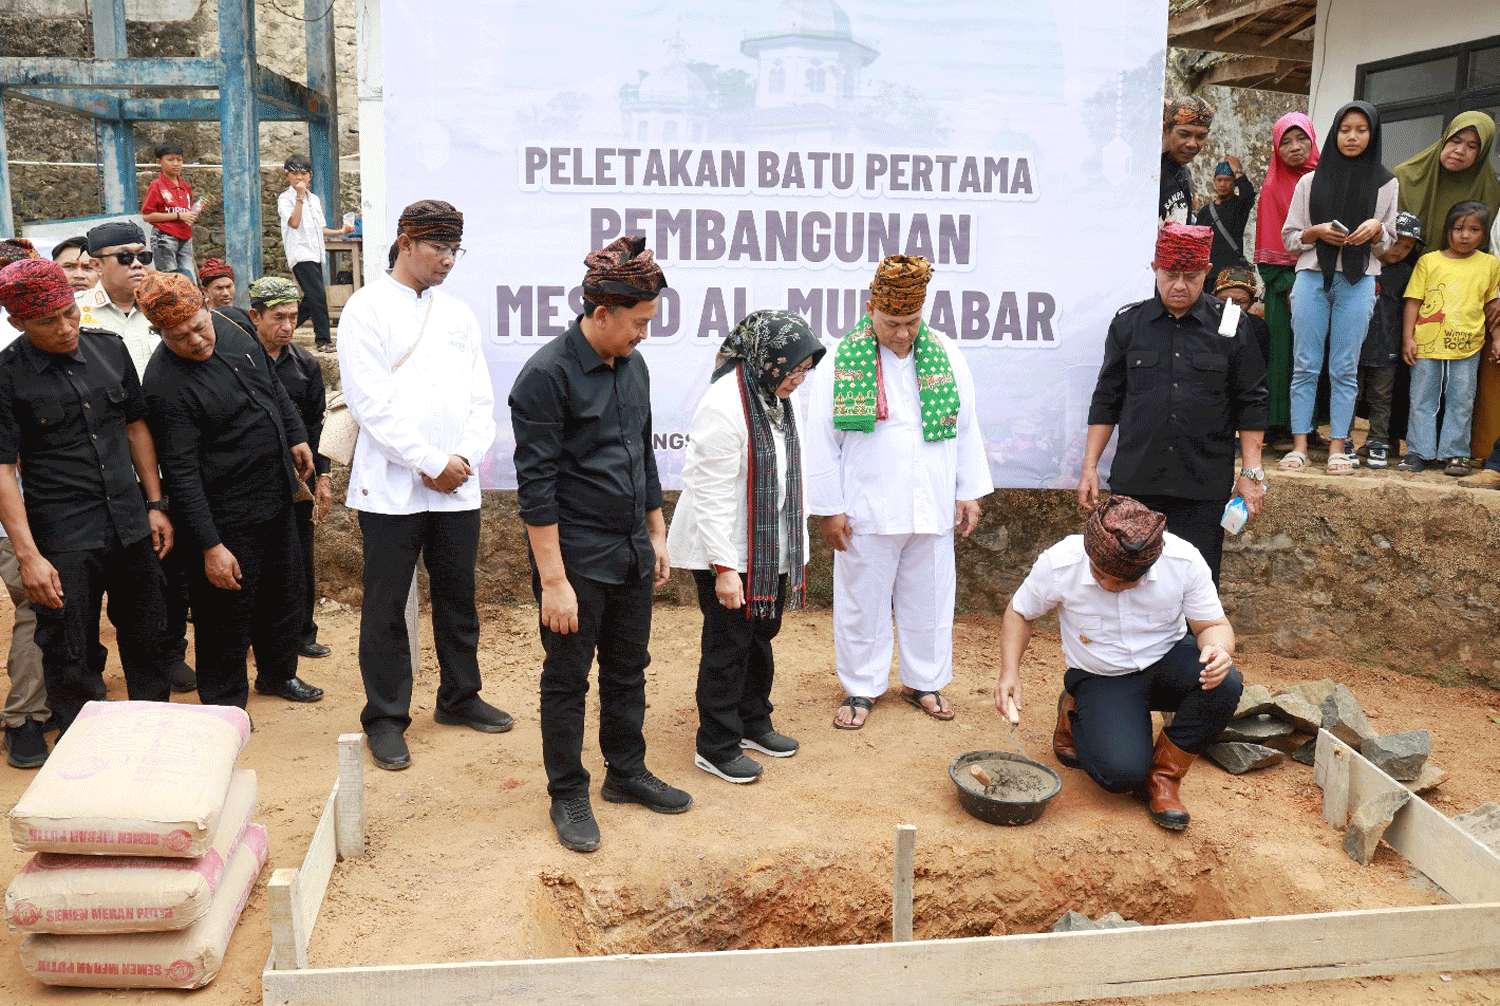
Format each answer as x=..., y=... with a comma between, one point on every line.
x=1341, y=218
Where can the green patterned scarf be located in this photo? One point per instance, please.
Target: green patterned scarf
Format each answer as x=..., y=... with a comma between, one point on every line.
x=859, y=389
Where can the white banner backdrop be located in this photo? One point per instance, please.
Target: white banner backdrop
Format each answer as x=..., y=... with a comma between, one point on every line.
x=772, y=153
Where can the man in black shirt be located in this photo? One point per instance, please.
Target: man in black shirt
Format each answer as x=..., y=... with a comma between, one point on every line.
x=72, y=415
x=1181, y=375
x=1184, y=130
x=1227, y=213
x=273, y=314
x=591, y=500
x=230, y=438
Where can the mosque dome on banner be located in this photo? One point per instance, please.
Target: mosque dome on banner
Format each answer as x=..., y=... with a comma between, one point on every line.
x=671, y=104
x=808, y=54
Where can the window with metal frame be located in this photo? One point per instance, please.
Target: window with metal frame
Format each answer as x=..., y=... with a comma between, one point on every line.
x=1419, y=93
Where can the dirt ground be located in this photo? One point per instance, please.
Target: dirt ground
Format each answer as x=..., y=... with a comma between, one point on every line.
x=463, y=864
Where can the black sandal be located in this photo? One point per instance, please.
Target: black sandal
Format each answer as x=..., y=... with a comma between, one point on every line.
x=852, y=703
x=915, y=697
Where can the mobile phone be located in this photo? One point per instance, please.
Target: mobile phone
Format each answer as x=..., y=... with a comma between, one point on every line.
x=1338, y=225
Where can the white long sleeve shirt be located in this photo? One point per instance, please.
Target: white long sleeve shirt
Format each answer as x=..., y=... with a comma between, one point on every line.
x=892, y=481
x=440, y=402
x=303, y=243
x=709, y=524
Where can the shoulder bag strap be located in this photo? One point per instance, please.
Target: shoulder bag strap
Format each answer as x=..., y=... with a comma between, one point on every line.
x=431, y=296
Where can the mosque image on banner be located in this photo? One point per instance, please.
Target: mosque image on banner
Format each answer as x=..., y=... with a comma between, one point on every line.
x=772, y=153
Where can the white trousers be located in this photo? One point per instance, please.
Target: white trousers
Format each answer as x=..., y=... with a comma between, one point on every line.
x=911, y=577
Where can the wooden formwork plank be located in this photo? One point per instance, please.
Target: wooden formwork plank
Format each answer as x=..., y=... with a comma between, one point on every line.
x=980, y=971
x=901, y=882
x=317, y=865
x=349, y=809
x=296, y=895
x=1450, y=857
x=288, y=938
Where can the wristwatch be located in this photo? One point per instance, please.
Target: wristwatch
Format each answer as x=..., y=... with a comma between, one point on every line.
x=160, y=504
x=1256, y=474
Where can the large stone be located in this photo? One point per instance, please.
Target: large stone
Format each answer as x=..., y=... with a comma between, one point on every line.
x=1483, y=822
x=1400, y=756
x=1431, y=778
x=1313, y=691
x=1254, y=700
x=1368, y=823
x=1307, y=754
x=1256, y=730
x=1238, y=757
x=1114, y=920
x=1298, y=711
x=1343, y=717
x=1074, y=922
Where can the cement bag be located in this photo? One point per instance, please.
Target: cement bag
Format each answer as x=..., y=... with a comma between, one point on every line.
x=187, y=959
x=56, y=893
x=133, y=779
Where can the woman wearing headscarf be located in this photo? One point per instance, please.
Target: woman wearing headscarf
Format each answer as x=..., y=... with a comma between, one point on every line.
x=740, y=527
x=1294, y=153
x=1341, y=218
x=1454, y=169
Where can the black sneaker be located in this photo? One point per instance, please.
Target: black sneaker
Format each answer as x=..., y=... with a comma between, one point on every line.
x=1412, y=463
x=389, y=750
x=181, y=678
x=26, y=744
x=772, y=743
x=739, y=769
x=575, y=824
x=647, y=790
x=1377, y=454
x=477, y=715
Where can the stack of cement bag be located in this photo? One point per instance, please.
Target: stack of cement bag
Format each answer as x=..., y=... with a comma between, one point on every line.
x=145, y=850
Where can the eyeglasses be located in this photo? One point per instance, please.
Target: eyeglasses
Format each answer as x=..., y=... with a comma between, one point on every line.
x=125, y=258
x=454, y=252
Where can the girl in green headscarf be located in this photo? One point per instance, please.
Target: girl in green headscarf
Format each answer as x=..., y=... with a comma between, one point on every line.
x=1456, y=168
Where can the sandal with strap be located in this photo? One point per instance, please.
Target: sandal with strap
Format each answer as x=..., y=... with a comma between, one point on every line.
x=915, y=697
x=1292, y=461
x=1457, y=467
x=1341, y=464
x=852, y=703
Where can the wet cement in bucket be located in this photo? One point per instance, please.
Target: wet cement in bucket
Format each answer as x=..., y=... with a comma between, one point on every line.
x=1012, y=781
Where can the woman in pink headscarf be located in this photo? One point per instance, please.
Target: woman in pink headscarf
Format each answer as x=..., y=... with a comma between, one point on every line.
x=1295, y=153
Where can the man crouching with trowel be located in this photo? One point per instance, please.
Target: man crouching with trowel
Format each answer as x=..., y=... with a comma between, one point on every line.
x=1131, y=599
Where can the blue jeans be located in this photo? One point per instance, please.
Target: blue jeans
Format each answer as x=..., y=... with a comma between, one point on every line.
x=171, y=254
x=1331, y=322
x=1449, y=385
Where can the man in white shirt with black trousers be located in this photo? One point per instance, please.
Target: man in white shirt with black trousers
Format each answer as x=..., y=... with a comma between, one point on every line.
x=415, y=379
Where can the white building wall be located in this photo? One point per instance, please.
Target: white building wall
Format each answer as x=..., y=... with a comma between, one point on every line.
x=1351, y=32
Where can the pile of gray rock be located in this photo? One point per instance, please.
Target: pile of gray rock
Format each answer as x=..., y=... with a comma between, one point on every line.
x=1267, y=728
x=1077, y=922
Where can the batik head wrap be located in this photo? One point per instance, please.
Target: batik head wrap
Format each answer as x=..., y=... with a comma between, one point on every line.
x=431, y=220
x=1430, y=190
x=212, y=269
x=1124, y=537
x=1189, y=110
x=1244, y=278
x=622, y=273
x=1183, y=247
x=761, y=351
x=1223, y=168
x=114, y=233
x=16, y=249
x=900, y=285
x=168, y=299
x=34, y=288
x=1276, y=193
x=271, y=291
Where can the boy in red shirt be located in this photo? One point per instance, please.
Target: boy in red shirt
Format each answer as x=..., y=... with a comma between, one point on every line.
x=171, y=211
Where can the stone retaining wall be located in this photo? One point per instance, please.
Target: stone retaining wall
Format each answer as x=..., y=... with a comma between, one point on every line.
x=1366, y=568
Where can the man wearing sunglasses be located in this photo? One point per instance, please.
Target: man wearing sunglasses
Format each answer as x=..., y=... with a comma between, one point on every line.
x=119, y=246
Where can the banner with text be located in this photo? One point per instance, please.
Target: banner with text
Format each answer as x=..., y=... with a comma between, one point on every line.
x=772, y=153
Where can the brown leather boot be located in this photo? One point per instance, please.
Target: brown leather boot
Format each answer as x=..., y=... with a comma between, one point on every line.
x=1169, y=763
x=1062, y=736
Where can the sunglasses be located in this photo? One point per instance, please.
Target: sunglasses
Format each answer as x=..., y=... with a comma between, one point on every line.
x=125, y=258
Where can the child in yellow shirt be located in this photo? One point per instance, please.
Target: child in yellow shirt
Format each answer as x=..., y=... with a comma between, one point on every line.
x=1443, y=334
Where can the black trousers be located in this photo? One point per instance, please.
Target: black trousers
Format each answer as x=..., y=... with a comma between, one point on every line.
x=314, y=302
x=179, y=565
x=1112, y=727
x=264, y=614
x=1493, y=461
x=614, y=620
x=308, y=633
x=448, y=544
x=133, y=579
x=735, y=671
x=1196, y=521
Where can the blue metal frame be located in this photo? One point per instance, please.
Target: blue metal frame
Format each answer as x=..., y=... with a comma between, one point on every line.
x=247, y=94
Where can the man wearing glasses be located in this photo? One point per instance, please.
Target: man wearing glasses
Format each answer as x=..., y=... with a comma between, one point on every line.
x=303, y=228
x=415, y=380
x=119, y=247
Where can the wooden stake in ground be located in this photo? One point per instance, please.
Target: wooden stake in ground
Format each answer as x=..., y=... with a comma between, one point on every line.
x=906, y=843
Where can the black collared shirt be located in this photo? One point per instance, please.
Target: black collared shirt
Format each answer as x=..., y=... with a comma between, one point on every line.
x=223, y=427
x=1178, y=391
x=583, y=455
x=63, y=419
x=303, y=379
